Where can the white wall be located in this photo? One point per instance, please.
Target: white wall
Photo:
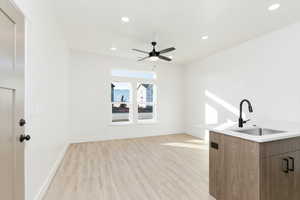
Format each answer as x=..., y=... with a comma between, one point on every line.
x=47, y=93
x=90, y=98
x=265, y=70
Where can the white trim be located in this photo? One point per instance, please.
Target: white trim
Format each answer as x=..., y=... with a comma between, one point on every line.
x=147, y=121
x=40, y=195
x=133, y=70
x=19, y=6
x=101, y=139
x=198, y=135
x=84, y=140
x=126, y=123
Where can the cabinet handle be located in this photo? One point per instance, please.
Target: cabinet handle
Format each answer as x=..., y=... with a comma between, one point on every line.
x=214, y=145
x=292, y=168
x=285, y=165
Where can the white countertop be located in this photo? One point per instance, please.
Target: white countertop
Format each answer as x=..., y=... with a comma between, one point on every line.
x=289, y=132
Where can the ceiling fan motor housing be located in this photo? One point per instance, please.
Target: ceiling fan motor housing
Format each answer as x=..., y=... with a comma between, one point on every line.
x=153, y=52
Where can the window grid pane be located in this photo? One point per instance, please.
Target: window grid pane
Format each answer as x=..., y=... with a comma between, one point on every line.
x=145, y=100
x=120, y=99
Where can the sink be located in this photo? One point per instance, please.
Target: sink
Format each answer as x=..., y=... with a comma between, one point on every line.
x=259, y=131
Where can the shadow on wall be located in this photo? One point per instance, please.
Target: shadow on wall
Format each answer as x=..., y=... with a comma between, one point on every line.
x=218, y=113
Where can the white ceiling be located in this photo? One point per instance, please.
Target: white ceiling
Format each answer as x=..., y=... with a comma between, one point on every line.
x=95, y=26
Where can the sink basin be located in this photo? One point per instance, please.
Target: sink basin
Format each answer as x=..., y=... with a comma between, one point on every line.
x=259, y=131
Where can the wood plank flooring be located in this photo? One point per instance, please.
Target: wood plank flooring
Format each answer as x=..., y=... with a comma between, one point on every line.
x=173, y=167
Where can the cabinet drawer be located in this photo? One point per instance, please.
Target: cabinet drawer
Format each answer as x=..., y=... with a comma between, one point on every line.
x=279, y=147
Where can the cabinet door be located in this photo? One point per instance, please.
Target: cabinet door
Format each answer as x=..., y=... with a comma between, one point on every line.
x=277, y=182
x=240, y=174
x=296, y=157
x=215, y=161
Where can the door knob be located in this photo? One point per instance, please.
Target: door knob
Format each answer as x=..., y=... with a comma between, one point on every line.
x=24, y=137
x=22, y=122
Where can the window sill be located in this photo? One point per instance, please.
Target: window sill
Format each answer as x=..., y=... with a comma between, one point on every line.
x=120, y=123
x=141, y=122
x=147, y=122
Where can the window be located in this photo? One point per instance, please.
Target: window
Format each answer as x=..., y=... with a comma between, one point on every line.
x=136, y=104
x=146, y=101
x=133, y=74
x=121, y=101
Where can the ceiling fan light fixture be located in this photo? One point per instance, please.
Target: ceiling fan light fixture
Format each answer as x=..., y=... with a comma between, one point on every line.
x=205, y=37
x=153, y=58
x=274, y=6
x=125, y=19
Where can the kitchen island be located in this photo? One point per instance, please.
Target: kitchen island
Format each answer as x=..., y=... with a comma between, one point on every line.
x=254, y=164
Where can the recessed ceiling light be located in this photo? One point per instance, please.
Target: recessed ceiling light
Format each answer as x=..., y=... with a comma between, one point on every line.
x=274, y=6
x=113, y=48
x=125, y=19
x=205, y=37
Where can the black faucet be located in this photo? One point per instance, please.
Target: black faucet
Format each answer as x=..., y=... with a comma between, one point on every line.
x=241, y=121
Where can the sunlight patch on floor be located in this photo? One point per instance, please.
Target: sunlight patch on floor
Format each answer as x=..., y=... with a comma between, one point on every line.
x=186, y=145
x=195, y=141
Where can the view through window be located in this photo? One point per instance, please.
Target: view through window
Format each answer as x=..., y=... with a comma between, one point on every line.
x=145, y=101
x=136, y=104
x=121, y=101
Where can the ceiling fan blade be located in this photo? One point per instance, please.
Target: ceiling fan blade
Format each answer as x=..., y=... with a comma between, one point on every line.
x=165, y=58
x=140, y=51
x=143, y=58
x=167, y=50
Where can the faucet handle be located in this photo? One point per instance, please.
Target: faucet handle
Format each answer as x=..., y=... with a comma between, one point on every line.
x=247, y=120
x=241, y=122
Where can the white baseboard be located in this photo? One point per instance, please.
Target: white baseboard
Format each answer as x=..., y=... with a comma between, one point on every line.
x=52, y=173
x=198, y=135
x=99, y=139
x=83, y=140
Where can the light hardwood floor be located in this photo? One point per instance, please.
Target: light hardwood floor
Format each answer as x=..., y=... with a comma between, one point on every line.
x=173, y=167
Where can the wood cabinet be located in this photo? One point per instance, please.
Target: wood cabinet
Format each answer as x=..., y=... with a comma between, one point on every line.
x=216, y=159
x=296, y=178
x=246, y=170
x=277, y=184
x=280, y=173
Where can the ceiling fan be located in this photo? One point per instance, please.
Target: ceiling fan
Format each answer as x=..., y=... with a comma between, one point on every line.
x=155, y=55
